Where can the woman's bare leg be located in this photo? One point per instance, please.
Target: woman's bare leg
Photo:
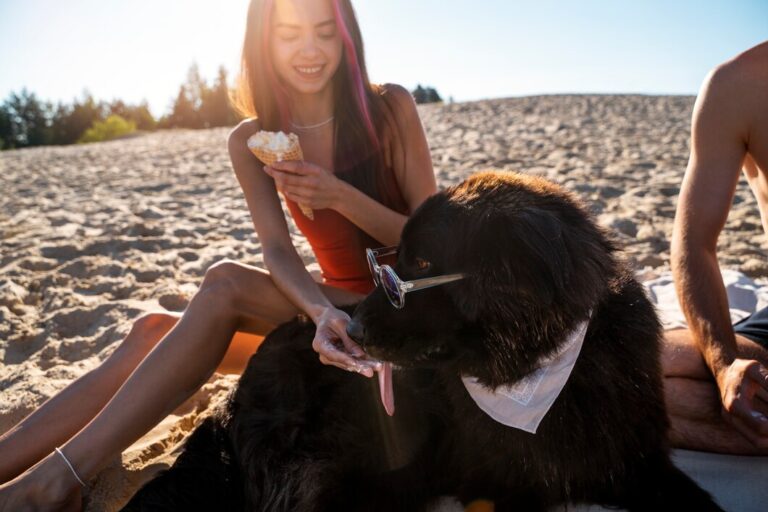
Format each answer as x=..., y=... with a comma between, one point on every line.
x=230, y=298
x=64, y=414
x=693, y=400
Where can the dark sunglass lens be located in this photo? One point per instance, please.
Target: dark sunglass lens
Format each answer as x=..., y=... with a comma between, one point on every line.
x=390, y=285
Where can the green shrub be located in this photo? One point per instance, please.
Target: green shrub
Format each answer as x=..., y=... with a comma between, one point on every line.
x=114, y=126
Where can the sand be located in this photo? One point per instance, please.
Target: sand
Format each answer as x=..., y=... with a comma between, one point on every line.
x=92, y=236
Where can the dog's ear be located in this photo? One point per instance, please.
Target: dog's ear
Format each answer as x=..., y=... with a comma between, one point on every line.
x=517, y=261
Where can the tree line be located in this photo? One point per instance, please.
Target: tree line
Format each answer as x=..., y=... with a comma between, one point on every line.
x=26, y=120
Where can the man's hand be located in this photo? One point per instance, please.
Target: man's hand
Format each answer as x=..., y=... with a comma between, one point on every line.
x=744, y=394
x=336, y=347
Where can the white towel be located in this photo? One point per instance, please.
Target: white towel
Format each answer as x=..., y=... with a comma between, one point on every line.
x=745, y=296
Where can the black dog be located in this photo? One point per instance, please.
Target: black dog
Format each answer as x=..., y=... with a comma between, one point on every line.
x=300, y=436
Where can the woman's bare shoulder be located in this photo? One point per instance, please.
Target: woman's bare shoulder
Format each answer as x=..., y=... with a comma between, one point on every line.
x=240, y=133
x=398, y=96
x=402, y=105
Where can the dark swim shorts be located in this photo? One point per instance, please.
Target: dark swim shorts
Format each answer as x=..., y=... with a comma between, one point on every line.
x=754, y=327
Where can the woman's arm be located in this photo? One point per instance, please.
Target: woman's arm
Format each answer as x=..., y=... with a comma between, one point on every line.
x=280, y=256
x=317, y=188
x=414, y=174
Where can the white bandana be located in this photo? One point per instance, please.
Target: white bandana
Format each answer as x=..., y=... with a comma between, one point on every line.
x=525, y=403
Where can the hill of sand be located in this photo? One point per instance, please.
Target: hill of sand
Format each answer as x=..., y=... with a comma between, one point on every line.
x=93, y=235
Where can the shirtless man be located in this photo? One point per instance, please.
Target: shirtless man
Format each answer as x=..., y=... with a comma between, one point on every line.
x=719, y=402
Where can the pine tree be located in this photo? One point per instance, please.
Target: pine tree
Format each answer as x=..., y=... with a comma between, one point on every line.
x=7, y=137
x=183, y=114
x=419, y=94
x=29, y=119
x=215, y=109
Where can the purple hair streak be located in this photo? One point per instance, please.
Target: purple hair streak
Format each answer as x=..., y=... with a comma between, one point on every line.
x=358, y=87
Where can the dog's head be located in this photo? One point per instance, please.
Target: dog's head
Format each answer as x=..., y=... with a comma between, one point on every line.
x=535, y=265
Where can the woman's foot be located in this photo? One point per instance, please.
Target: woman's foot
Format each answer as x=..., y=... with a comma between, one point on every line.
x=47, y=486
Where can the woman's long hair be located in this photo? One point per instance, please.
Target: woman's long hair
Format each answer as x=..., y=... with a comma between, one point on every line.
x=361, y=118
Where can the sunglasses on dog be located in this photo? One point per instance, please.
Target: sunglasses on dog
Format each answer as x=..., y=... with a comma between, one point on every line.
x=394, y=287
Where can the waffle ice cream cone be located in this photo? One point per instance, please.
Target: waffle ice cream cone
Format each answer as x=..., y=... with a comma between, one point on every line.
x=271, y=147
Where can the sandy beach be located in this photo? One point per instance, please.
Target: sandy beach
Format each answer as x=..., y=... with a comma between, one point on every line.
x=93, y=235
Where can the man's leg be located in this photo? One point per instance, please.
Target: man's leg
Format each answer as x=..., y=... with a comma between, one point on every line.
x=693, y=400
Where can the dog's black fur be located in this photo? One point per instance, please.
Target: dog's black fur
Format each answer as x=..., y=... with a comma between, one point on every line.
x=304, y=437
x=300, y=436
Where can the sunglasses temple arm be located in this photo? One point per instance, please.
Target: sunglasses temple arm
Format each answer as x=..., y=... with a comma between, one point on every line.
x=384, y=251
x=428, y=282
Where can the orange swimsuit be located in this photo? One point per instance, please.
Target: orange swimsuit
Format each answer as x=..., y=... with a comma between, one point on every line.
x=339, y=245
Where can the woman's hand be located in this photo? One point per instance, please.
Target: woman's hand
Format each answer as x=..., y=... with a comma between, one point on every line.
x=744, y=394
x=307, y=184
x=337, y=348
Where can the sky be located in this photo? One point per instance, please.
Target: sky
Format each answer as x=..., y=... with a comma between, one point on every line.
x=467, y=49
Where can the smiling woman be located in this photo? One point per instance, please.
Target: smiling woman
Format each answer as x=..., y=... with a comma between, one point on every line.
x=366, y=167
x=308, y=72
x=305, y=54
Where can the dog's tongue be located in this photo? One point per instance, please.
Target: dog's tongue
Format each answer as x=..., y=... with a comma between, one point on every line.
x=385, y=388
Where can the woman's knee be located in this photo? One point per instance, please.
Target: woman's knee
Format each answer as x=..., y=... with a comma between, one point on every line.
x=244, y=294
x=227, y=283
x=155, y=324
x=147, y=330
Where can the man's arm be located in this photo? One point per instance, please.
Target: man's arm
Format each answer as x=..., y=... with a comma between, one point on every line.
x=718, y=149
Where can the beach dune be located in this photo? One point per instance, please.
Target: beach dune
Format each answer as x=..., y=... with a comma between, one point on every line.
x=93, y=235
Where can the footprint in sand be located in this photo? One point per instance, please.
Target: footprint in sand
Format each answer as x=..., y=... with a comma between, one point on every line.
x=189, y=255
x=754, y=267
x=115, y=287
x=60, y=218
x=147, y=274
x=36, y=263
x=143, y=229
x=91, y=266
x=152, y=213
x=12, y=294
x=82, y=321
x=64, y=252
x=174, y=301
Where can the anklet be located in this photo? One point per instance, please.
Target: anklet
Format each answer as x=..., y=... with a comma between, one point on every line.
x=70, y=466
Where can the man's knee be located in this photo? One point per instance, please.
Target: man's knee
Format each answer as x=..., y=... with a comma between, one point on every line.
x=680, y=357
x=693, y=399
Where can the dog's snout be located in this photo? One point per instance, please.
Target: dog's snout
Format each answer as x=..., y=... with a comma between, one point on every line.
x=356, y=330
